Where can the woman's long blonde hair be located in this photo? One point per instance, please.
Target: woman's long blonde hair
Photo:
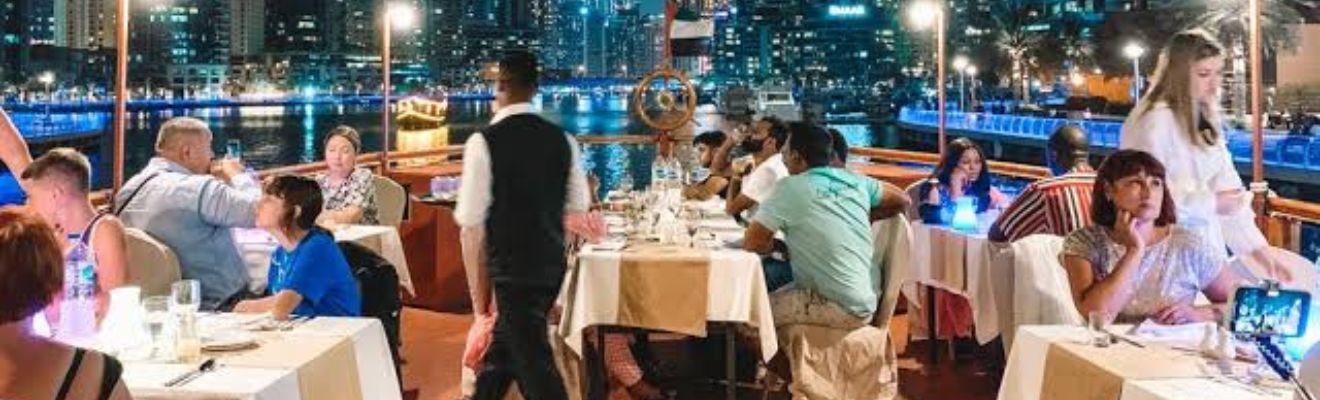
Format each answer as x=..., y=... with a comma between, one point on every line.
x=1173, y=85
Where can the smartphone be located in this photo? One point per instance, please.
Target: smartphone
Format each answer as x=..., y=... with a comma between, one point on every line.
x=233, y=149
x=1259, y=311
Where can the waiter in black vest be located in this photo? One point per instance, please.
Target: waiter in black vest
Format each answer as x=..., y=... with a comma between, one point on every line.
x=520, y=175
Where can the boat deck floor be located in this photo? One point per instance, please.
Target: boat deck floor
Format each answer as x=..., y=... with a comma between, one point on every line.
x=433, y=343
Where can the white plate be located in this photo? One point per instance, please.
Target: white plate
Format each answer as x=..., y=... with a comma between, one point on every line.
x=228, y=341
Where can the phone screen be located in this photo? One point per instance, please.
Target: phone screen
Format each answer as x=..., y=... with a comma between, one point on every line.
x=1261, y=312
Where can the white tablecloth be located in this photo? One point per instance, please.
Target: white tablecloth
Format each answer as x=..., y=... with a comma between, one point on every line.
x=256, y=247
x=737, y=293
x=966, y=264
x=145, y=381
x=375, y=366
x=1024, y=374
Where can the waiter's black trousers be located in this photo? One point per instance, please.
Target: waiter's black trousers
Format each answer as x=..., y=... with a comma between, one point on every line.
x=521, y=349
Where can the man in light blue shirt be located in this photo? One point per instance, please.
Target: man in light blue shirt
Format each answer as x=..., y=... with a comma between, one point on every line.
x=177, y=200
x=825, y=214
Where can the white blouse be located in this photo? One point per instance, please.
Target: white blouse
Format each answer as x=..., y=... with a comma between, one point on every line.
x=1195, y=175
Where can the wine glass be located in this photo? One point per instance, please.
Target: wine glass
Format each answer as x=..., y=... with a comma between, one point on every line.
x=156, y=312
x=185, y=296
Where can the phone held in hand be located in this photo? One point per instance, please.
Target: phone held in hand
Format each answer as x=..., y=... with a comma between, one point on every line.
x=1270, y=311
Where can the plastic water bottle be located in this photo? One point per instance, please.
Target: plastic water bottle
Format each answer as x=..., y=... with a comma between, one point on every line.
x=675, y=169
x=659, y=172
x=78, y=304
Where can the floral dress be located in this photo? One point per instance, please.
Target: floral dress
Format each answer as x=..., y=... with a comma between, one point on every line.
x=356, y=191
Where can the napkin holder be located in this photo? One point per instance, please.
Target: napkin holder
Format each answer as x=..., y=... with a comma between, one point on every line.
x=122, y=328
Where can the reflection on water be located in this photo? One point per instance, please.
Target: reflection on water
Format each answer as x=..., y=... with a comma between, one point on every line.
x=273, y=136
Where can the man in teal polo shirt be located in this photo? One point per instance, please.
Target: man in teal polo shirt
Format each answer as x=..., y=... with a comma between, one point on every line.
x=825, y=213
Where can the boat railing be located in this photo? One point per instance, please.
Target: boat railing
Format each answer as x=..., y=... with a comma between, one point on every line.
x=1283, y=225
x=1280, y=149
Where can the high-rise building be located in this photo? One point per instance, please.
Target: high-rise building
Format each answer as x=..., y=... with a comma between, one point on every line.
x=247, y=27
x=85, y=24
x=39, y=17
x=181, y=48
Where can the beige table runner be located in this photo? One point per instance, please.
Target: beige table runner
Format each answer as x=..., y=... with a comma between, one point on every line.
x=1080, y=371
x=665, y=288
x=326, y=366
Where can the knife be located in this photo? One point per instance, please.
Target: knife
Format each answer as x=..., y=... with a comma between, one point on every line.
x=207, y=366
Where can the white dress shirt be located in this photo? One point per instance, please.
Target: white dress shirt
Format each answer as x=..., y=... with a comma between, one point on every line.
x=1195, y=174
x=474, y=195
x=762, y=181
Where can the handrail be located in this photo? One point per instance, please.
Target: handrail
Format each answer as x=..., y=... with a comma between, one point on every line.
x=998, y=167
x=1280, y=209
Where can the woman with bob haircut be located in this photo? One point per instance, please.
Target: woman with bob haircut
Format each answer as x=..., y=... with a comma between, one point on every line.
x=308, y=275
x=1135, y=263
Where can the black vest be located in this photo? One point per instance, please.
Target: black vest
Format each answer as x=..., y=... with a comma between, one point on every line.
x=529, y=162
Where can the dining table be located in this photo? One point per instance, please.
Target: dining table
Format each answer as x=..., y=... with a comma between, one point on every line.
x=320, y=358
x=638, y=282
x=1060, y=361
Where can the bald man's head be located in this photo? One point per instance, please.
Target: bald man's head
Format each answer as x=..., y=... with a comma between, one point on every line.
x=186, y=141
x=1068, y=148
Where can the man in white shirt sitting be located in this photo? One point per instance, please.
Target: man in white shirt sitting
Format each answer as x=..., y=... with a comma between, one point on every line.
x=769, y=136
x=768, y=167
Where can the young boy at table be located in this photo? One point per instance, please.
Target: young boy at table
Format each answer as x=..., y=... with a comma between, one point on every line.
x=825, y=214
x=308, y=275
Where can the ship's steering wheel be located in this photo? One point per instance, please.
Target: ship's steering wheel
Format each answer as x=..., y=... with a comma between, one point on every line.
x=665, y=99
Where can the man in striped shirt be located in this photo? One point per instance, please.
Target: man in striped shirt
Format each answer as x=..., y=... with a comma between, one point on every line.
x=1056, y=205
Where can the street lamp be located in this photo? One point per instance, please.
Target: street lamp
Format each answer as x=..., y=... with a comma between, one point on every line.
x=397, y=16
x=47, y=78
x=972, y=71
x=923, y=14
x=586, y=35
x=960, y=64
x=1135, y=51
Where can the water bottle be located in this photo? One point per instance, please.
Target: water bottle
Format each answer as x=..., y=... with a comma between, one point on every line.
x=78, y=304
x=675, y=169
x=658, y=172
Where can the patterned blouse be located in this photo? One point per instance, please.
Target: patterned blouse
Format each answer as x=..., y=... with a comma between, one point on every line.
x=1172, y=272
x=356, y=191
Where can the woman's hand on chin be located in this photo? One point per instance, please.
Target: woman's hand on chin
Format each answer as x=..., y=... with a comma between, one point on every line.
x=1127, y=234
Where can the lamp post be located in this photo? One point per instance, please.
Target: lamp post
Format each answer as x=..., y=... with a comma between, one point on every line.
x=923, y=14
x=121, y=94
x=960, y=64
x=397, y=16
x=586, y=36
x=972, y=71
x=47, y=79
x=1135, y=51
x=1258, y=185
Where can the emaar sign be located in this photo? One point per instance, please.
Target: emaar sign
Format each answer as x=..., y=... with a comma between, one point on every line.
x=855, y=10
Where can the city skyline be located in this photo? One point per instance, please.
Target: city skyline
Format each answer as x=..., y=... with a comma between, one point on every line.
x=198, y=48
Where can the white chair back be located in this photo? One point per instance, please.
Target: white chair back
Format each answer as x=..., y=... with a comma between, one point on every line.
x=1041, y=292
x=893, y=242
x=391, y=200
x=152, y=265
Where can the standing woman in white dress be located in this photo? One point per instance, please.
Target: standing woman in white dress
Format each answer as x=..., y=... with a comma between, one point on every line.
x=1178, y=121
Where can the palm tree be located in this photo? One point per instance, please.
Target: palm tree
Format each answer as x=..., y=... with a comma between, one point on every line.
x=1230, y=20
x=1011, y=19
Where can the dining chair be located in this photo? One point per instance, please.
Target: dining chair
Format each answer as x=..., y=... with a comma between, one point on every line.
x=1041, y=292
x=391, y=199
x=152, y=265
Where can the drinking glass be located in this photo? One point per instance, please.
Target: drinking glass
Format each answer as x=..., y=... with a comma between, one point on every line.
x=156, y=312
x=1097, y=324
x=233, y=149
x=185, y=296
